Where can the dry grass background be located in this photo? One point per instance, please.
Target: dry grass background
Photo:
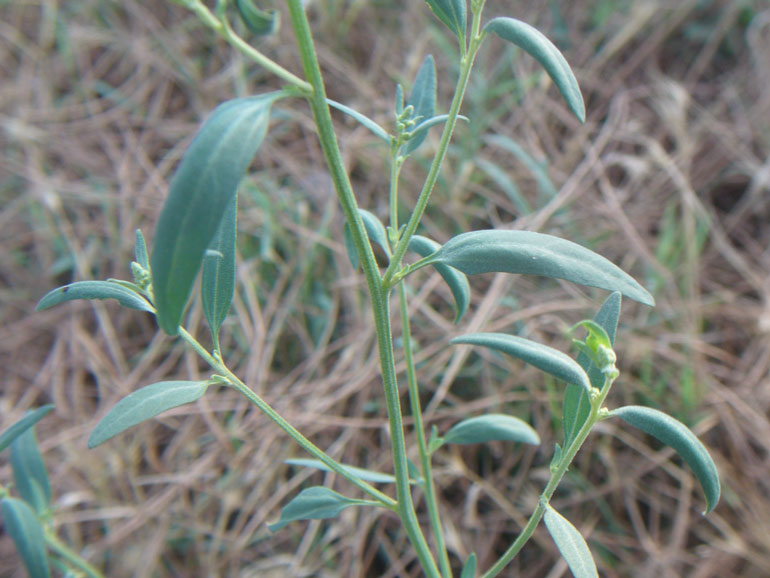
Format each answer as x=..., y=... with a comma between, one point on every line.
x=669, y=177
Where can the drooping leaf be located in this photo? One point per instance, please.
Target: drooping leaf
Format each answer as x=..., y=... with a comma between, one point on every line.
x=545, y=358
x=259, y=22
x=423, y=99
x=571, y=544
x=453, y=13
x=29, y=419
x=140, y=250
x=364, y=120
x=536, y=254
x=350, y=246
x=375, y=230
x=29, y=471
x=457, y=281
x=469, y=569
x=201, y=191
x=218, y=280
x=144, y=404
x=534, y=42
x=678, y=436
x=315, y=503
x=492, y=427
x=577, y=406
x=24, y=527
x=366, y=475
x=95, y=290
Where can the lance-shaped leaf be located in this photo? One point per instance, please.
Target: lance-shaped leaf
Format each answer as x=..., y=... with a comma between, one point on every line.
x=24, y=527
x=536, y=254
x=259, y=22
x=457, y=281
x=218, y=280
x=361, y=118
x=534, y=42
x=469, y=569
x=429, y=123
x=201, y=191
x=678, y=436
x=316, y=503
x=30, y=419
x=546, y=358
x=571, y=544
x=95, y=290
x=492, y=427
x=423, y=99
x=140, y=250
x=144, y=404
x=360, y=473
x=29, y=471
x=375, y=229
x=577, y=406
x=453, y=13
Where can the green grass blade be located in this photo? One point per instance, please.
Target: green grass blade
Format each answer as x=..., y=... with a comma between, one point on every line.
x=30, y=419
x=364, y=120
x=536, y=254
x=469, y=569
x=534, y=42
x=676, y=435
x=29, y=471
x=571, y=544
x=201, y=192
x=492, y=427
x=144, y=404
x=454, y=14
x=366, y=475
x=316, y=503
x=456, y=280
x=423, y=99
x=24, y=527
x=95, y=290
x=545, y=358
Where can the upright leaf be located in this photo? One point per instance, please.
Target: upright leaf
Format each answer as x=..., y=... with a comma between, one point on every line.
x=144, y=404
x=350, y=246
x=201, y=191
x=457, y=281
x=375, y=230
x=536, y=254
x=577, y=406
x=492, y=427
x=675, y=434
x=534, y=42
x=571, y=544
x=469, y=569
x=95, y=290
x=218, y=280
x=24, y=527
x=423, y=99
x=548, y=359
x=30, y=419
x=29, y=471
x=140, y=250
x=454, y=14
x=315, y=503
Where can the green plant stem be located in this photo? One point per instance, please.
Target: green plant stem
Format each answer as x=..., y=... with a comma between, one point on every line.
x=72, y=557
x=427, y=470
x=554, y=481
x=377, y=290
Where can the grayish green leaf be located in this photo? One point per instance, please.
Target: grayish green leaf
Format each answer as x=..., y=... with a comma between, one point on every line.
x=95, y=290
x=492, y=427
x=140, y=250
x=675, y=434
x=315, y=503
x=506, y=183
x=201, y=192
x=429, y=123
x=29, y=419
x=375, y=230
x=350, y=246
x=362, y=119
x=469, y=569
x=24, y=527
x=218, y=280
x=399, y=100
x=144, y=404
x=453, y=13
x=457, y=281
x=536, y=254
x=534, y=42
x=366, y=475
x=423, y=99
x=546, y=358
x=259, y=22
x=29, y=471
x=539, y=169
x=571, y=544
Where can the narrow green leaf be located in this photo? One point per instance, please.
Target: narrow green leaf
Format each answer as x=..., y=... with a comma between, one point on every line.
x=423, y=99
x=140, y=250
x=24, y=527
x=350, y=246
x=144, y=404
x=218, y=279
x=259, y=22
x=453, y=13
x=469, y=569
x=375, y=230
x=399, y=100
x=577, y=406
x=534, y=42
x=366, y=475
x=457, y=281
x=201, y=192
x=429, y=123
x=315, y=503
x=29, y=419
x=536, y=254
x=95, y=290
x=571, y=544
x=29, y=471
x=675, y=434
x=545, y=358
x=492, y=427
x=364, y=120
